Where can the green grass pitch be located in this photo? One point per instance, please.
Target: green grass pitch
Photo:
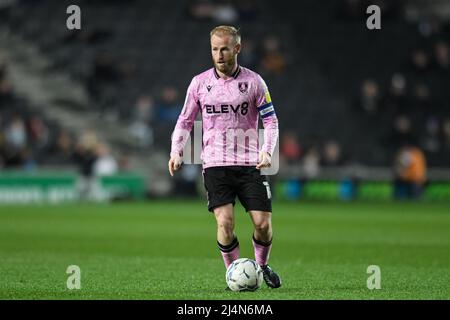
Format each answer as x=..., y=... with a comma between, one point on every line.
x=167, y=250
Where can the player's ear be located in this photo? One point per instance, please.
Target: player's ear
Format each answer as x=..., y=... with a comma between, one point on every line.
x=237, y=48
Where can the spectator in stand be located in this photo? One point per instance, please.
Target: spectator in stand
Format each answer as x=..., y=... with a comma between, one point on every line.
x=429, y=26
x=420, y=61
x=248, y=56
x=225, y=13
x=397, y=101
x=332, y=154
x=105, y=164
x=25, y=137
x=402, y=132
x=168, y=108
x=144, y=108
x=442, y=57
x=370, y=99
x=409, y=172
x=85, y=156
x=61, y=151
x=15, y=137
x=290, y=149
x=15, y=133
x=311, y=163
x=431, y=142
x=141, y=126
x=221, y=12
x=201, y=10
x=38, y=132
x=273, y=61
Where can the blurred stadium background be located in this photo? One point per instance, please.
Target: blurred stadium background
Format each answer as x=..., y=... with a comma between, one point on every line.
x=88, y=113
x=86, y=117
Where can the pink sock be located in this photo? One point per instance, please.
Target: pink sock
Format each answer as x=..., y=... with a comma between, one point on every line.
x=229, y=252
x=262, y=251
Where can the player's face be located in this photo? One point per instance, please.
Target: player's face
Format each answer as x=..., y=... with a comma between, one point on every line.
x=224, y=53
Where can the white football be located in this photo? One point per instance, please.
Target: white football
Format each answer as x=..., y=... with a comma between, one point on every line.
x=244, y=275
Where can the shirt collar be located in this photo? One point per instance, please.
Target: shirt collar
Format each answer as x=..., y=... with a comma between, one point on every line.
x=234, y=75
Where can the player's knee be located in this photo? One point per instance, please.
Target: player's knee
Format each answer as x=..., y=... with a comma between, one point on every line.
x=225, y=225
x=263, y=228
x=263, y=225
x=224, y=221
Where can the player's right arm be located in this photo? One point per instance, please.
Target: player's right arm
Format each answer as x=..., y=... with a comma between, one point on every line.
x=183, y=127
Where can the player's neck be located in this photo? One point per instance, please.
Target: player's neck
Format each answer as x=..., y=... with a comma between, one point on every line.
x=226, y=76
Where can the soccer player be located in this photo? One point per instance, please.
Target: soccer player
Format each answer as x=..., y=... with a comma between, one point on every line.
x=231, y=99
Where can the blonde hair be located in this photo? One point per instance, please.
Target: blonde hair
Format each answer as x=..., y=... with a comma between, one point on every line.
x=227, y=30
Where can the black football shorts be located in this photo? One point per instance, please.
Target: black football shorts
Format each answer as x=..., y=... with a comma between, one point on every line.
x=223, y=184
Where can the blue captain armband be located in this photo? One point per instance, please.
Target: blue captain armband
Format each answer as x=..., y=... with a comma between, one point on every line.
x=266, y=110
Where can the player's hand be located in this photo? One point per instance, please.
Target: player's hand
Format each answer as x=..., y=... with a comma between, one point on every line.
x=175, y=163
x=265, y=160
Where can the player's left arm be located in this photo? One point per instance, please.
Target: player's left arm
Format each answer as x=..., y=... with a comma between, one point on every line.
x=270, y=123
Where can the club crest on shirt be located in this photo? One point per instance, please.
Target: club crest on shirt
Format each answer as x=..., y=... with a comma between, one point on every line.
x=243, y=87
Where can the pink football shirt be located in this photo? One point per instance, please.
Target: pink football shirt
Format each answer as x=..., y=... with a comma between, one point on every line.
x=230, y=111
